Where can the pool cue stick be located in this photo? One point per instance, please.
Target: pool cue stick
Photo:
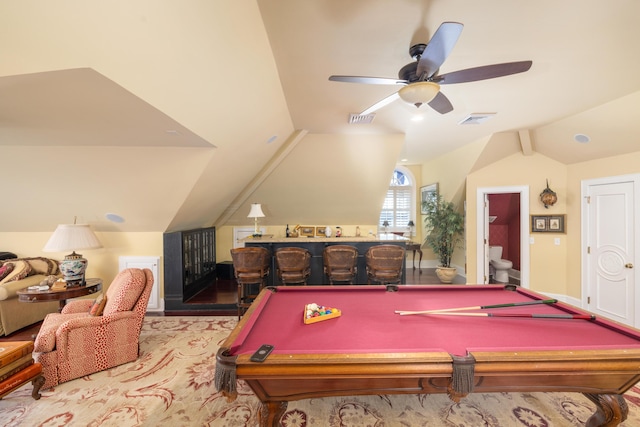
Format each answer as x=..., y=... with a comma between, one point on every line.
x=479, y=307
x=521, y=315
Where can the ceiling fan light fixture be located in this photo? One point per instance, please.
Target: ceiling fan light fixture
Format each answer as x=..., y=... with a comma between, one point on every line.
x=419, y=93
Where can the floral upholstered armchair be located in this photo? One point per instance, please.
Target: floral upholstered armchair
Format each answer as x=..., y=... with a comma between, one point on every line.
x=93, y=335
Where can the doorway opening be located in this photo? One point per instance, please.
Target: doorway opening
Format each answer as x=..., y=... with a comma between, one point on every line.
x=510, y=233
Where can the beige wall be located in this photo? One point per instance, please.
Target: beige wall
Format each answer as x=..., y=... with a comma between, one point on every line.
x=450, y=172
x=554, y=269
x=224, y=235
x=102, y=263
x=547, y=260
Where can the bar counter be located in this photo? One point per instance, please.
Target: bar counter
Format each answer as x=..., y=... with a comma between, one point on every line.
x=385, y=238
x=316, y=246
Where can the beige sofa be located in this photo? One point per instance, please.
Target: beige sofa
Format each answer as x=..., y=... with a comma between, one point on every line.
x=24, y=272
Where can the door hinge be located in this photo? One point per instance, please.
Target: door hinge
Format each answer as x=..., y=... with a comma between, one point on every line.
x=588, y=300
x=588, y=199
x=588, y=250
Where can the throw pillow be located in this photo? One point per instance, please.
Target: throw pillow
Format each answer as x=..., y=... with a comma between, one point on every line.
x=98, y=305
x=21, y=269
x=5, y=270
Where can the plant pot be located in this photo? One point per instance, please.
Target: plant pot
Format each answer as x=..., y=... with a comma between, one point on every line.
x=446, y=274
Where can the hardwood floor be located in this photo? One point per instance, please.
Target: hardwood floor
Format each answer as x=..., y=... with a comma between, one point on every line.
x=226, y=292
x=25, y=334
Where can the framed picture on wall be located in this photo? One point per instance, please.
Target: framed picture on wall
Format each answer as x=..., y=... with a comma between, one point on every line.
x=428, y=192
x=547, y=223
x=556, y=223
x=538, y=223
x=307, y=231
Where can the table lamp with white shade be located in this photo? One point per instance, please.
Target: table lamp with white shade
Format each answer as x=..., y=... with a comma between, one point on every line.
x=72, y=237
x=255, y=213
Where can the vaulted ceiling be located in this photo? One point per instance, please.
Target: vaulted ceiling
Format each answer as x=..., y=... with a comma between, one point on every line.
x=179, y=114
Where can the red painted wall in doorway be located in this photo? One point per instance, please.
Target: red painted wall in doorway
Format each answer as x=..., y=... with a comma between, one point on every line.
x=505, y=230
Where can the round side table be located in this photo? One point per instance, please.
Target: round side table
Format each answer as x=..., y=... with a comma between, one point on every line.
x=91, y=286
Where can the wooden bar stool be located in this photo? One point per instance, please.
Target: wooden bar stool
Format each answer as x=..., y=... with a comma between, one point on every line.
x=293, y=265
x=340, y=263
x=251, y=268
x=384, y=264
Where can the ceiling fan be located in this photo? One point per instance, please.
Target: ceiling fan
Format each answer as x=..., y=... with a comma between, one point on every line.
x=421, y=81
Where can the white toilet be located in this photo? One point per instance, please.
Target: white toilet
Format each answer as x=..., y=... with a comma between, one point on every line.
x=497, y=266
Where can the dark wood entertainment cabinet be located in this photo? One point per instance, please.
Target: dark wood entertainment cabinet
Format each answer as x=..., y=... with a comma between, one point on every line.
x=189, y=267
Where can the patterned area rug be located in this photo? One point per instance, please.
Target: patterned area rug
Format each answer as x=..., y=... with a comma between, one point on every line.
x=171, y=384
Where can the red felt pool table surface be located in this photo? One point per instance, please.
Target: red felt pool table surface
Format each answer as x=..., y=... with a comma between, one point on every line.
x=371, y=349
x=369, y=324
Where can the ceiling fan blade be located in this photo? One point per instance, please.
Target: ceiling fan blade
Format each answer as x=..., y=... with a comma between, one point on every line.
x=378, y=105
x=439, y=47
x=368, y=80
x=441, y=103
x=484, y=72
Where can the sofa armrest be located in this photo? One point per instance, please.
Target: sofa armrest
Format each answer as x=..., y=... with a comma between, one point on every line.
x=8, y=289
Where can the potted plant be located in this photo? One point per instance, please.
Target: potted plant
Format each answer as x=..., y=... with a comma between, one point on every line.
x=444, y=226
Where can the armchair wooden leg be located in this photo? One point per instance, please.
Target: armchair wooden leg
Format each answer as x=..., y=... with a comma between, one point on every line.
x=37, y=382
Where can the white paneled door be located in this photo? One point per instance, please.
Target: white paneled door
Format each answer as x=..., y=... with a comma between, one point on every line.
x=611, y=239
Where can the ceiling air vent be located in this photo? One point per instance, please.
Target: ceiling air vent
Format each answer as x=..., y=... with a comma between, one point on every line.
x=356, y=119
x=476, y=118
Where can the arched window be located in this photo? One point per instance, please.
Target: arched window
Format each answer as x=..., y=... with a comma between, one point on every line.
x=399, y=204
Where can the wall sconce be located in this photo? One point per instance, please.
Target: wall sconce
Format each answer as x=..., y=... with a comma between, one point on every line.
x=548, y=197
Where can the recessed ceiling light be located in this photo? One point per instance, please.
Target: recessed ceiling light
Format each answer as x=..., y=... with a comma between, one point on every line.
x=114, y=217
x=581, y=138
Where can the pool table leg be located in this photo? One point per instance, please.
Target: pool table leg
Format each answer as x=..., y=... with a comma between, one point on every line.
x=271, y=412
x=611, y=410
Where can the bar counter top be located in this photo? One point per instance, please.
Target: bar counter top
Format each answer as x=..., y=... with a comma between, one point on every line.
x=346, y=239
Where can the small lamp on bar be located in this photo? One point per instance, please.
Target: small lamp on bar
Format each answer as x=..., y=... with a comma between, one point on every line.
x=411, y=224
x=72, y=237
x=255, y=213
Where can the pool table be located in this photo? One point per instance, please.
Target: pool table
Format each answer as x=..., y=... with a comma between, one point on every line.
x=371, y=349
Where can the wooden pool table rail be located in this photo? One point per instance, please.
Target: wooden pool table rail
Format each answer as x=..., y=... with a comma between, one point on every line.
x=602, y=375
